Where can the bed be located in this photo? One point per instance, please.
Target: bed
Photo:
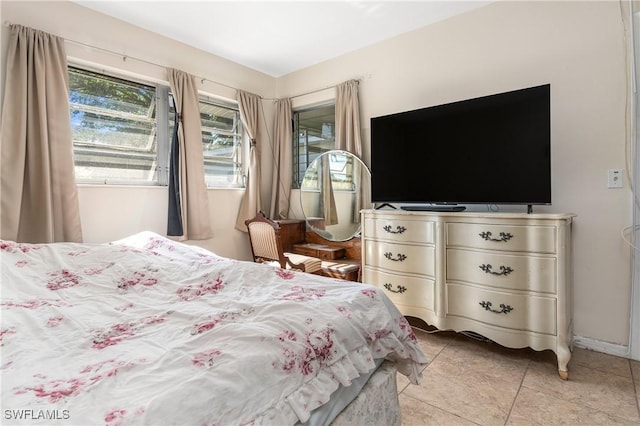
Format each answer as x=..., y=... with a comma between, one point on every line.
x=146, y=330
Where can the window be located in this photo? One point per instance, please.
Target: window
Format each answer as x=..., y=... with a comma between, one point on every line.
x=313, y=134
x=122, y=133
x=222, y=144
x=114, y=128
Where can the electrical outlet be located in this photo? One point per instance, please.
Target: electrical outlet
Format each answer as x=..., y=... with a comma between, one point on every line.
x=614, y=178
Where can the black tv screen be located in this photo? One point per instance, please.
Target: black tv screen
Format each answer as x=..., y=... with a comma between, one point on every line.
x=489, y=150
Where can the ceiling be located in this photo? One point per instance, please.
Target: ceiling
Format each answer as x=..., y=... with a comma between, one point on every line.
x=280, y=37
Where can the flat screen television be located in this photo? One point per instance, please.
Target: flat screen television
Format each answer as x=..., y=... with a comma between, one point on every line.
x=493, y=149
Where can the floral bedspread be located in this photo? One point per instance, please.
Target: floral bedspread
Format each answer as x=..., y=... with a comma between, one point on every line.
x=146, y=330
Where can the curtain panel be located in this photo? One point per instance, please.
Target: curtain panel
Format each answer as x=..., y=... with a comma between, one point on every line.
x=174, y=216
x=38, y=189
x=282, y=173
x=249, y=106
x=191, y=187
x=348, y=118
x=348, y=137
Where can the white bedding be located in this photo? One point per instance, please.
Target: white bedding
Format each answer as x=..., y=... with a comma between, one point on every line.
x=146, y=330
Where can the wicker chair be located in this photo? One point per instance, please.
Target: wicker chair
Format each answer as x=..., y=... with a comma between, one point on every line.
x=266, y=247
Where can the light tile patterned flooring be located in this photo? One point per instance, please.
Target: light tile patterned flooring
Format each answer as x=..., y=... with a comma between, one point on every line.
x=472, y=382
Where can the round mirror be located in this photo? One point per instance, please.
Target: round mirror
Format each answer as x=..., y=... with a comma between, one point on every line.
x=335, y=187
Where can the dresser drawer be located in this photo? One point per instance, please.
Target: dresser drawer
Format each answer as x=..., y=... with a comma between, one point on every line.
x=320, y=251
x=400, y=257
x=535, y=239
x=514, y=311
x=403, y=290
x=399, y=230
x=507, y=271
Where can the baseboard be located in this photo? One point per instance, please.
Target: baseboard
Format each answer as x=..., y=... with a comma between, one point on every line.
x=600, y=346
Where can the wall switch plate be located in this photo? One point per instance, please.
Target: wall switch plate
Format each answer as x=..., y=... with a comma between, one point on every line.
x=614, y=178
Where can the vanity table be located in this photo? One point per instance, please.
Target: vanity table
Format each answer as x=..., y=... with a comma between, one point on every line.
x=334, y=189
x=340, y=259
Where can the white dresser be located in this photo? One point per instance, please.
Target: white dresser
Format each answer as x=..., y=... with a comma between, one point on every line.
x=505, y=276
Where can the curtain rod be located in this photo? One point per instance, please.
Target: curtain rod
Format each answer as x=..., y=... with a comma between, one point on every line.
x=125, y=57
x=202, y=79
x=310, y=92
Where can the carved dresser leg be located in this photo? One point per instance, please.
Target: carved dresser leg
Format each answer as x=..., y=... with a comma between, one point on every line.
x=564, y=355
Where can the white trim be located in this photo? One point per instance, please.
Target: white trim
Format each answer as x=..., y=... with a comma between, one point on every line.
x=634, y=320
x=600, y=346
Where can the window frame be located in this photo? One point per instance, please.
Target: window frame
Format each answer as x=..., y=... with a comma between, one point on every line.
x=298, y=174
x=161, y=131
x=240, y=147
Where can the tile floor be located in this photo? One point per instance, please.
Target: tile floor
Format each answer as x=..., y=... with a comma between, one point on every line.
x=472, y=382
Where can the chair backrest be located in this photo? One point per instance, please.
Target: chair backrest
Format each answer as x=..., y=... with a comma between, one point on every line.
x=264, y=236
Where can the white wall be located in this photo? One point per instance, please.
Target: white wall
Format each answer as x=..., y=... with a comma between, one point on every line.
x=108, y=212
x=578, y=47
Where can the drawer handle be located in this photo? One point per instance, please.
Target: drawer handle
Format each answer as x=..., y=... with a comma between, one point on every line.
x=400, y=258
x=504, y=270
x=504, y=236
x=504, y=309
x=399, y=229
x=401, y=288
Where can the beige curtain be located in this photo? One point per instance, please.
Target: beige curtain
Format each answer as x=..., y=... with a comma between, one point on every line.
x=194, y=200
x=282, y=174
x=249, y=106
x=348, y=118
x=38, y=188
x=348, y=137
